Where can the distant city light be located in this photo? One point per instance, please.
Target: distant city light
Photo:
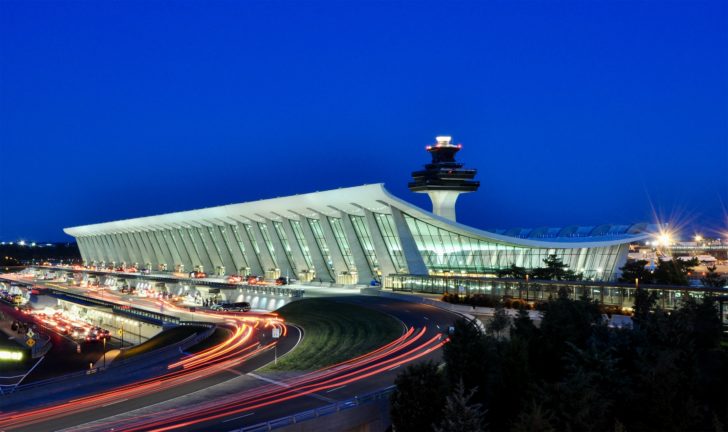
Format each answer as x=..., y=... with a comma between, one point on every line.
x=21, y=243
x=698, y=238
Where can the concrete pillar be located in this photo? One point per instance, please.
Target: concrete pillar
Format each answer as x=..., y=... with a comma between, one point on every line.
x=176, y=255
x=337, y=256
x=253, y=259
x=364, y=272
x=100, y=253
x=380, y=247
x=153, y=247
x=202, y=250
x=121, y=247
x=164, y=248
x=195, y=258
x=187, y=253
x=265, y=257
x=225, y=253
x=108, y=251
x=83, y=249
x=279, y=250
x=296, y=252
x=147, y=255
x=134, y=252
x=413, y=257
x=211, y=248
x=322, y=268
x=238, y=258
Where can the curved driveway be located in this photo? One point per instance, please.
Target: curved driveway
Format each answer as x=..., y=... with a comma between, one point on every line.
x=234, y=397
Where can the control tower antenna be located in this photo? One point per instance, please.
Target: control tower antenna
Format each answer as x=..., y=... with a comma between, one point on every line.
x=444, y=179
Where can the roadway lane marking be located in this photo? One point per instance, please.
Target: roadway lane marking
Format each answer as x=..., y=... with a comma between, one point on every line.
x=115, y=402
x=426, y=318
x=334, y=389
x=394, y=368
x=282, y=384
x=268, y=380
x=238, y=417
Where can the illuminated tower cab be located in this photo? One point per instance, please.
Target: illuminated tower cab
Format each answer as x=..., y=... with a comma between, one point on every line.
x=444, y=179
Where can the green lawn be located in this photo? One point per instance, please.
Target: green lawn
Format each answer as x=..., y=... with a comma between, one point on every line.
x=167, y=337
x=334, y=332
x=217, y=337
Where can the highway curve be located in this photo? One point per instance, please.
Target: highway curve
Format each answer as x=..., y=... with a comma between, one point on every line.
x=233, y=397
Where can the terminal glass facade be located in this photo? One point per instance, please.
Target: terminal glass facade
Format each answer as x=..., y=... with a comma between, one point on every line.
x=357, y=232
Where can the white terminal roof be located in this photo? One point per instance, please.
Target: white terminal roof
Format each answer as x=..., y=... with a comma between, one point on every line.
x=376, y=198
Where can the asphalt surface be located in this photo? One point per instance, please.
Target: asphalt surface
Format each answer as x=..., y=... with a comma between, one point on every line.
x=412, y=314
x=123, y=406
x=237, y=379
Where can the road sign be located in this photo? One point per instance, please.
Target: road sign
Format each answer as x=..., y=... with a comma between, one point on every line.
x=120, y=332
x=30, y=333
x=276, y=332
x=30, y=342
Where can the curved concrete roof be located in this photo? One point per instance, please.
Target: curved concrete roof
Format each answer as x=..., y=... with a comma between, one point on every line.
x=353, y=200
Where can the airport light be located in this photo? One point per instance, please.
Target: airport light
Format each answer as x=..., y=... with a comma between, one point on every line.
x=664, y=239
x=11, y=355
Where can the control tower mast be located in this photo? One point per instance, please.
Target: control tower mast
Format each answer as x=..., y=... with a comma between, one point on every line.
x=444, y=179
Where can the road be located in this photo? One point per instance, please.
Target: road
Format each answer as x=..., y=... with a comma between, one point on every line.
x=233, y=396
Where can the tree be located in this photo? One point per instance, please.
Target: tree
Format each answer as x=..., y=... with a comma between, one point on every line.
x=523, y=326
x=643, y=303
x=513, y=271
x=555, y=270
x=674, y=271
x=465, y=353
x=460, y=414
x=418, y=399
x=636, y=269
x=712, y=279
x=499, y=322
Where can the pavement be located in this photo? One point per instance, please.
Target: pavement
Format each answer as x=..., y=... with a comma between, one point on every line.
x=242, y=377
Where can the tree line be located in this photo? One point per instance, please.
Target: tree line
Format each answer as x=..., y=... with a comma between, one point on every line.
x=668, y=372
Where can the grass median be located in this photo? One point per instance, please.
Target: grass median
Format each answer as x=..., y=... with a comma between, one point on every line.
x=161, y=340
x=334, y=332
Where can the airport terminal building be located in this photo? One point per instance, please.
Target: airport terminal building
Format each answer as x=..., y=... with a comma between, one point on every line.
x=352, y=236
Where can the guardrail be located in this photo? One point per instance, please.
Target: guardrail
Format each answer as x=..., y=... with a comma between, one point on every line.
x=319, y=412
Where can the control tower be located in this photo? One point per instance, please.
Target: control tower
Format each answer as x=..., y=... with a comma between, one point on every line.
x=444, y=179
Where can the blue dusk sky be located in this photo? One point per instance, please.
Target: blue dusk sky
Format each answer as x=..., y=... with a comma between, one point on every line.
x=581, y=112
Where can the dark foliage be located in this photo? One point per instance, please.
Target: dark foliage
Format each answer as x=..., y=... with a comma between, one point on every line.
x=419, y=398
x=573, y=373
x=555, y=270
x=712, y=279
x=636, y=270
x=674, y=272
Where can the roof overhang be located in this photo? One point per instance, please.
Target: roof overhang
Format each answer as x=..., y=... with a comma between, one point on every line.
x=351, y=200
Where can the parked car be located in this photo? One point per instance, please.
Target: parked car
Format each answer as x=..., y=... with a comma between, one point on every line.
x=232, y=307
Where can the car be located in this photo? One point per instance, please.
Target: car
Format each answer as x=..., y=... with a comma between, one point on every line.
x=282, y=281
x=234, y=279
x=231, y=307
x=254, y=280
